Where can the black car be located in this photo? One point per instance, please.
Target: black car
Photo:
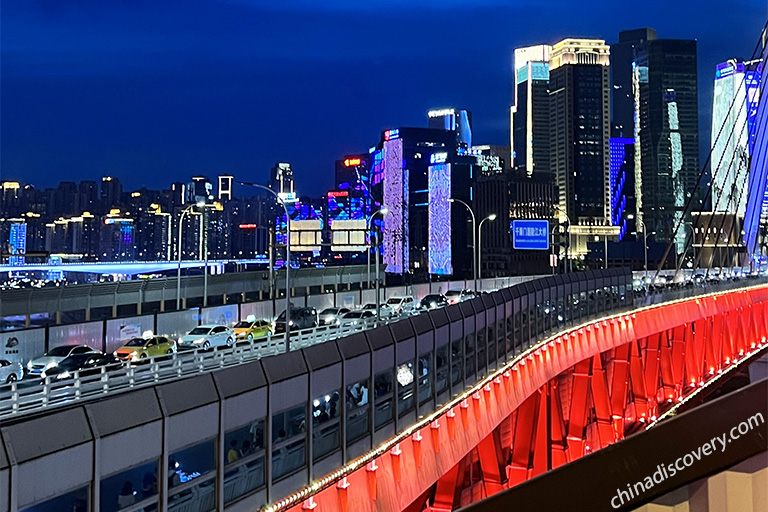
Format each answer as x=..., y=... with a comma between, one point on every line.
x=85, y=364
x=433, y=301
x=301, y=318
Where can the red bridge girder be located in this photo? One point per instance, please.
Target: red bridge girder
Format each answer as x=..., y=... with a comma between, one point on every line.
x=572, y=394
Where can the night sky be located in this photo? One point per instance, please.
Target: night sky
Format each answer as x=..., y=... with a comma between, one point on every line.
x=155, y=91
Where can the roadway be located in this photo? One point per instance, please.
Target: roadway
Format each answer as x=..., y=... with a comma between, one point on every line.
x=31, y=394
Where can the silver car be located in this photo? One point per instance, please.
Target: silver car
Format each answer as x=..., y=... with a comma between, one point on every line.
x=207, y=336
x=10, y=372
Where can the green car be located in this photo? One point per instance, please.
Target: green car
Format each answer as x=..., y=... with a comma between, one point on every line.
x=142, y=348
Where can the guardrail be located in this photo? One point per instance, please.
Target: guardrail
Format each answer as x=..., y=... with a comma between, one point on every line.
x=30, y=395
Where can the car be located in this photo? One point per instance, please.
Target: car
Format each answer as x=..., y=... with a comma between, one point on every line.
x=433, y=301
x=301, y=318
x=54, y=356
x=207, y=336
x=402, y=305
x=84, y=364
x=142, y=348
x=250, y=329
x=456, y=296
x=332, y=316
x=385, y=310
x=354, y=318
x=10, y=372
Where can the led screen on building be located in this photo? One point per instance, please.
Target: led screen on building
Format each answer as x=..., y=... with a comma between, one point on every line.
x=306, y=235
x=440, y=219
x=396, y=199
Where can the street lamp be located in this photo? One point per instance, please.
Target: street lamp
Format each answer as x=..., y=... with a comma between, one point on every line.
x=287, y=259
x=474, y=237
x=383, y=211
x=491, y=217
x=568, y=233
x=187, y=210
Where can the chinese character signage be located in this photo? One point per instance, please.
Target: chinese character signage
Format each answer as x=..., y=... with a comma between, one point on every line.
x=530, y=235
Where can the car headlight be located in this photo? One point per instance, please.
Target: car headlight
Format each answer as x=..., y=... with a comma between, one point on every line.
x=135, y=357
x=179, y=341
x=63, y=375
x=114, y=353
x=52, y=364
x=29, y=365
x=290, y=322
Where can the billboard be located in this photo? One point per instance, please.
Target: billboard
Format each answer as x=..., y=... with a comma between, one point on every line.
x=348, y=235
x=530, y=235
x=306, y=235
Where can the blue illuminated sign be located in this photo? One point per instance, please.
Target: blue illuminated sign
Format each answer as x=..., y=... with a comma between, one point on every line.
x=531, y=235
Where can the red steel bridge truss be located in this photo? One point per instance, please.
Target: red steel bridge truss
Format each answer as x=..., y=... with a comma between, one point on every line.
x=569, y=395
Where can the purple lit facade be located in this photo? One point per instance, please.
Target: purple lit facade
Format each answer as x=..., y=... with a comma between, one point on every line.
x=396, y=199
x=440, y=261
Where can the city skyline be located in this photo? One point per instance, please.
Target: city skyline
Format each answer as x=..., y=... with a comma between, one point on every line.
x=204, y=109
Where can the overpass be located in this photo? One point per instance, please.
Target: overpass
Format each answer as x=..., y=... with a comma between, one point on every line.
x=329, y=421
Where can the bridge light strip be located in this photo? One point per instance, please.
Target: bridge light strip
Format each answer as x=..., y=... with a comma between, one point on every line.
x=343, y=472
x=736, y=363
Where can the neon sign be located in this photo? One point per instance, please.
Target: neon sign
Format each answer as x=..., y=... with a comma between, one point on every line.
x=338, y=193
x=349, y=162
x=248, y=226
x=391, y=134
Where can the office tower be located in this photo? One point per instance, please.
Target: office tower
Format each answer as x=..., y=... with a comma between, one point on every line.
x=622, y=95
x=111, y=192
x=88, y=196
x=456, y=120
x=225, y=188
x=11, y=199
x=734, y=112
x=178, y=194
x=529, y=129
x=580, y=129
x=200, y=190
x=622, y=188
x=490, y=160
x=420, y=169
x=281, y=179
x=664, y=84
x=17, y=242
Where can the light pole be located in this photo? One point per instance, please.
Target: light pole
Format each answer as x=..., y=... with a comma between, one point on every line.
x=187, y=210
x=491, y=217
x=287, y=259
x=474, y=237
x=383, y=211
x=553, y=261
x=645, y=249
x=568, y=233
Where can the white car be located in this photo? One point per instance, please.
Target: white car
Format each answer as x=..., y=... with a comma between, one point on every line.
x=10, y=372
x=55, y=356
x=402, y=305
x=354, y=318
x=385, y=309
x=207, y=336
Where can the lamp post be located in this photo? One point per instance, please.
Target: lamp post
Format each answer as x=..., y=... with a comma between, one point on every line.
x=553, y=261
x=568, y=233
x=287, y=259
x=474, y=237
x=645, y=249
x=491, y=217
x=187, y=210
x=383, y=211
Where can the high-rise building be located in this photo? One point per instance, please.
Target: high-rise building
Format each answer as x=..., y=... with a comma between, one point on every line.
x=88, y=196
x=281, y=179
x=421, y=169
x=622, y=95
x=456, y=120
x=200, y=190
x=734, y=112
x=666, y=132
x=111, y=192
x=529, y=128
x=622, y=188
x=580, y=128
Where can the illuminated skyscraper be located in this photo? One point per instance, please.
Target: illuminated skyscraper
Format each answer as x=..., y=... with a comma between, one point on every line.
x=281, y=179
x=580, y=132
x=665, y=89
x=459, y=121
x=734, y=111
x=529, y=130
x=225, y=188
